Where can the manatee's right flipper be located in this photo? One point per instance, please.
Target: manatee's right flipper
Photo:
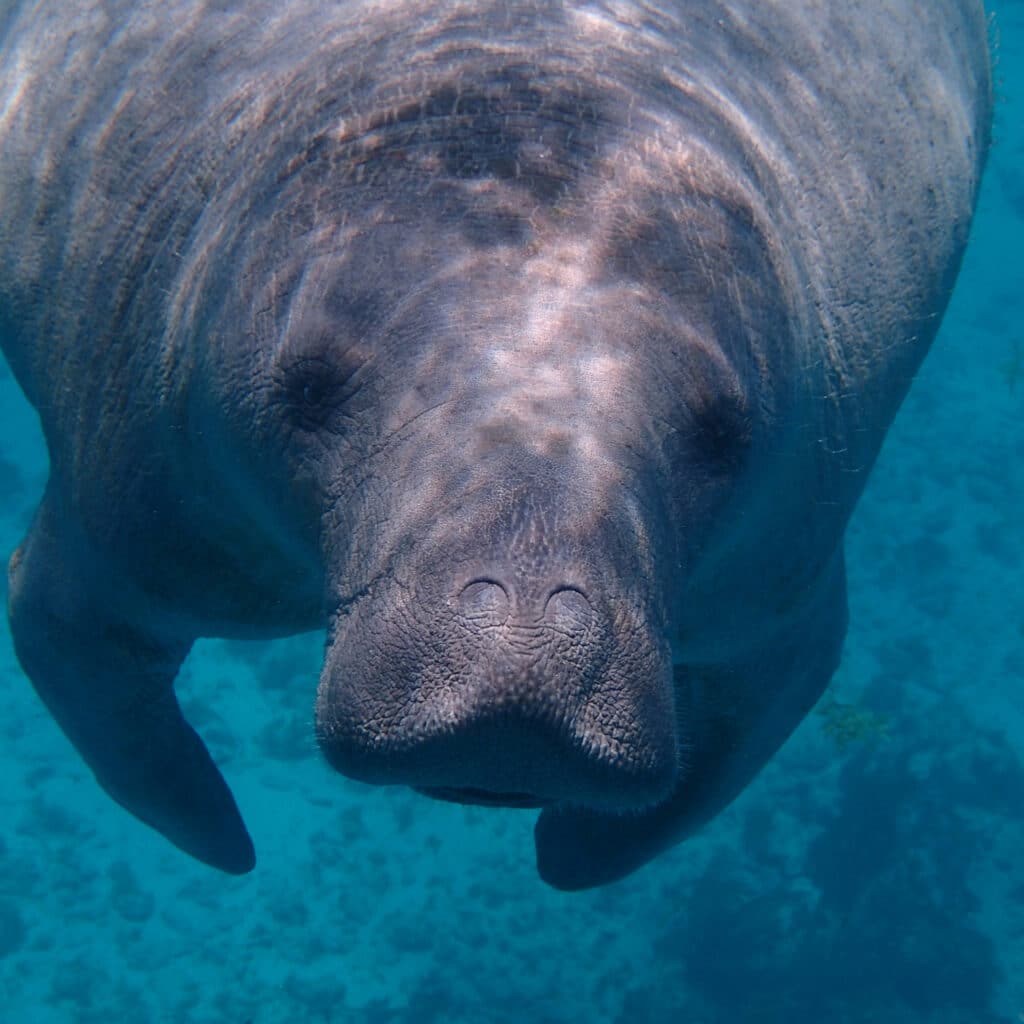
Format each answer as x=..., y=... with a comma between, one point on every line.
x=107, y=678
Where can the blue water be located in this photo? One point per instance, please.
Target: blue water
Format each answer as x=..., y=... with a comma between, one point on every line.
x=873, y=873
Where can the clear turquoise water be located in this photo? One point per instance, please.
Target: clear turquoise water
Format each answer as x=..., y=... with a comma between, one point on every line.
x=871, y=877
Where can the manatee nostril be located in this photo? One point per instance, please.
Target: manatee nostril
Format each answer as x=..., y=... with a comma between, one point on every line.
x=484, y=602
x=568, y=608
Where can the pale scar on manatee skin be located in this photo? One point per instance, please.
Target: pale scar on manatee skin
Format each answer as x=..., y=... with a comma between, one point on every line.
x=538, y=351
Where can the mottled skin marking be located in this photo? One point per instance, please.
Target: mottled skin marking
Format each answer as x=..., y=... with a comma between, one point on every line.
x=537, y=349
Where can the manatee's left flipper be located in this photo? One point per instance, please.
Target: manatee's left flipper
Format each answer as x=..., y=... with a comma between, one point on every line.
x=106, y=675
x=732, y=718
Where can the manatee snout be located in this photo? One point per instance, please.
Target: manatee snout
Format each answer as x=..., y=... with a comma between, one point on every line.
x=524, y=676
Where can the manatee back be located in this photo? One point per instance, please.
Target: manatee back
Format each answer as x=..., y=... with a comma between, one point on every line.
x=862, y=127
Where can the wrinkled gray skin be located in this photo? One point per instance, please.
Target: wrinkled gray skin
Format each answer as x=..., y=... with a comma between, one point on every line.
x=530, y=347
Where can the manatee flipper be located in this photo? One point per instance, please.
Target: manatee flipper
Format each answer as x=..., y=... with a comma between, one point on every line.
x=107, y=678
x=731, y=727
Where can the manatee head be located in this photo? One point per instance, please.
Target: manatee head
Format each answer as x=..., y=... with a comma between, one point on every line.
x=515, y=384
x=526, y=453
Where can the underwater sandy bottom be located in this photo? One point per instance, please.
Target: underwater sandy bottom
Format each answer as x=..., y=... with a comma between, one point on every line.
x=872, y=873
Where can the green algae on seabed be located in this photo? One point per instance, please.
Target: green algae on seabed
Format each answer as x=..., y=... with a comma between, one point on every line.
x=847, y=723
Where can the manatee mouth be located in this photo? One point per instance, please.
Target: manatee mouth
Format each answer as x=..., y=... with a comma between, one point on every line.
x=482, y=797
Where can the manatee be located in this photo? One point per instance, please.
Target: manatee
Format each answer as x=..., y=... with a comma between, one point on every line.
x=537, y=350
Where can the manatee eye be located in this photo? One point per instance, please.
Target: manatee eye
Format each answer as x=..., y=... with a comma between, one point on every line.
x=316, y=389
x=722, y=431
